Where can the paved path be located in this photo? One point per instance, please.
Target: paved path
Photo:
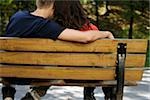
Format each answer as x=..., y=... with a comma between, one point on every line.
x=140, y=92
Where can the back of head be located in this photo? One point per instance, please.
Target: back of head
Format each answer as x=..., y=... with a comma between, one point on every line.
x=44, y=3
x=69, y=13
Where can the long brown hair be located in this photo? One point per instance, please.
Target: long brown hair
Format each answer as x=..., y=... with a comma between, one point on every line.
x=69, y=13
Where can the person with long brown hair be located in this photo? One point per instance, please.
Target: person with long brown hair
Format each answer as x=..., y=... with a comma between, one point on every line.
x=71, y=14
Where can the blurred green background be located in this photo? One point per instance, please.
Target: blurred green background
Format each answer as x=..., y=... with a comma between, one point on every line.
x=124, y=18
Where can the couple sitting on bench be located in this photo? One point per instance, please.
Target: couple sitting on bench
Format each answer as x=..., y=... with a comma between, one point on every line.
x=63, y=20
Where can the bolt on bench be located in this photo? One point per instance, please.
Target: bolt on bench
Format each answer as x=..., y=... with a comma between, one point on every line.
x=42, y=62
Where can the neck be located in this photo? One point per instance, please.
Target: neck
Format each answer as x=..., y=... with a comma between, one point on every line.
x=42, y=13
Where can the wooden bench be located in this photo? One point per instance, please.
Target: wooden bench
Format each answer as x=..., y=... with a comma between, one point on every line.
x=104, y=62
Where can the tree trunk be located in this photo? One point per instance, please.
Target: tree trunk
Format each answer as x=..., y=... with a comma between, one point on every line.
x=131, y=19
x=97, y=14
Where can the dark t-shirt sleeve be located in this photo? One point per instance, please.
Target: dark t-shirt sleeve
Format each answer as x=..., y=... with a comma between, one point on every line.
x=23, y=24
x=50, y=30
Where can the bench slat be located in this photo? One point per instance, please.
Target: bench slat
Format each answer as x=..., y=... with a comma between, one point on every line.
x=48, y=82
x=100, y=83
x=69, y=59
x=26, y=44
x=135, y=60
x=66, y=73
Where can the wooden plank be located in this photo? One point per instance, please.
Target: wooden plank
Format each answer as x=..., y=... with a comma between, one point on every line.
x=133, y=74
x=72, y=59
x=135, y=44
x=137, y=60
x=68, y=59
x=66, y=73
x=103, y=45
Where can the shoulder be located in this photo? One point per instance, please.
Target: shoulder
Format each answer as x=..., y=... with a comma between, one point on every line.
x=20, y=13
x=93, y=27
x=88, y=26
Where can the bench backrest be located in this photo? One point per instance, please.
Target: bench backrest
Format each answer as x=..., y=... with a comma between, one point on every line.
x=48, y=59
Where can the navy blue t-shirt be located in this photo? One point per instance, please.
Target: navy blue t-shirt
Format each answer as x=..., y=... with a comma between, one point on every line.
x=23, y=24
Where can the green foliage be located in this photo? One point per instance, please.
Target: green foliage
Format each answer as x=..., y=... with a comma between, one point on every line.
x=115, y=19
x=115, y=16
x=84, y=1
x=6, y=2
x=9, y=7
